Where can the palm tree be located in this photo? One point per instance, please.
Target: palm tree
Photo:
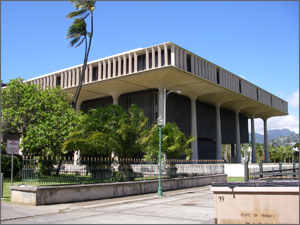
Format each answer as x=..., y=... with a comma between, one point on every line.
x=78, y=34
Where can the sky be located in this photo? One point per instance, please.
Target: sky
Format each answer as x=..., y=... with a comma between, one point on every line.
x=256, y=40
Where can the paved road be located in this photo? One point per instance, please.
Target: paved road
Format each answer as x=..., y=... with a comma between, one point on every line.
x=185, y=206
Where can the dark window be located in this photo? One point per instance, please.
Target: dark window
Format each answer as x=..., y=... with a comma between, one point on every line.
x=102, y=76
x=150, y=60
x=58, y=81
x=95, y=73
x=122, y=67
x=257, y=94
x=106, y=75
x=132, y=65
x=240, y=86
x=169, y=57
x=127, y=65
x=162, y=58
x=188, y=63
x=111, y=69
x=141, y=62
x=218, y=76
x=117, y=67
x=156, y=59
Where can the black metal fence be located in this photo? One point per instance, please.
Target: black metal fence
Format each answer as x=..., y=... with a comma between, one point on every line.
x=278, y=173
x=58, y=171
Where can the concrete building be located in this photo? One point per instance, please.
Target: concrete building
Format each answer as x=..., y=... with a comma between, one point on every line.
x=214, y=104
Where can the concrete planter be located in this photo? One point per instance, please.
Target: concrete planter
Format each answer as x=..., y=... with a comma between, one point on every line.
x=256, y=203
x=46, y=195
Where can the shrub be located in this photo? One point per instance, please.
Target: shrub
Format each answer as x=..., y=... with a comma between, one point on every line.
x=6, y=166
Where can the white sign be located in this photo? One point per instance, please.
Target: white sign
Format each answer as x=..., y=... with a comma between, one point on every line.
x=12, y=147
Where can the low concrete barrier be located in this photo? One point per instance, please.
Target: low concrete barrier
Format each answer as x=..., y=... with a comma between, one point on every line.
x=259, y=202
x=46, y=195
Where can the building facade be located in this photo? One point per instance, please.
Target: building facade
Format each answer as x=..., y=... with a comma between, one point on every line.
x=214, y=104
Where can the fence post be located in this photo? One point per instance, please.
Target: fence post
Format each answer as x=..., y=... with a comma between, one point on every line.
x=294, y=169
x=246, y=171
x=280, y=168
x=2, y=181
x=260, y=169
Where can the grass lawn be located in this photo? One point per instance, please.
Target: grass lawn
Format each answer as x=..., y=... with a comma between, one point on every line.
x=6, y=189
x=235, y=179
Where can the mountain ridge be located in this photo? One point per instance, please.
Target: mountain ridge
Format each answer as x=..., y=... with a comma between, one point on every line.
x=272, y=134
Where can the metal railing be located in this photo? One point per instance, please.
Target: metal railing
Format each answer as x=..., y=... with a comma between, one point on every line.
x=60, y=171
x=289, y=172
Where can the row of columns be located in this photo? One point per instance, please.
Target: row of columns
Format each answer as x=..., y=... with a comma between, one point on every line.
x=194, y=144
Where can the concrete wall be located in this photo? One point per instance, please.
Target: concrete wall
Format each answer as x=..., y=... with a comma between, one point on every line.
x=256, y=205
x=46, y=195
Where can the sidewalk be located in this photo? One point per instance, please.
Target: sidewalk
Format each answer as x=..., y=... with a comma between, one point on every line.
x=193, y=205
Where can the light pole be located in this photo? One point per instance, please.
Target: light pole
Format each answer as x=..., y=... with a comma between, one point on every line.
x=165, y=100
x=159, y=123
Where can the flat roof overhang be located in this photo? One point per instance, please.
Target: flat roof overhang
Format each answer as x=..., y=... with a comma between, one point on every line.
x=173, y=78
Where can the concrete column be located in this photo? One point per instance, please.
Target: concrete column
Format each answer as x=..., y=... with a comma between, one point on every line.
x=159, y=56
x=177, y=57
x=109, y=68
x=77, y=76
x=192, y=64
x=130, y=63
x=147, y=59
x=66, y=79
x=253, y=155
x=62, y=78
x=184, y=60
x=54, y=80
x=267, y=160
x=119, y=66
x=153, y=58
x=181, y=59
x=90, y=73
x=196, y=66
x=173, y=55
x=161, y=102
x=47, y=82
x=194, y=133
x=124, y=64
x=238, y=138
x=202, y=68
x=114, y=67
x=51, y=81
x=73, y=77
x=115, y=99
x=135, y=62
x=166, y=54
x=69, y=78
x=218, y=133
x=86, y=75
x=99, y=70
x=104, y=70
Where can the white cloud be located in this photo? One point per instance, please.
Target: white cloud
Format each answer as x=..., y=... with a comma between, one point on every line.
x=290, y=122
x=242, y=76
x=293, y=99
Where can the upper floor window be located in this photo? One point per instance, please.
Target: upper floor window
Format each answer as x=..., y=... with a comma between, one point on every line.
x=95, y=73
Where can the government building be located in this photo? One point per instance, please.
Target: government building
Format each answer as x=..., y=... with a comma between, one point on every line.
x=204, y=99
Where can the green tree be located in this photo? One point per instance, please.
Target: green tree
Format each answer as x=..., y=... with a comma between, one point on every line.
x=109, y=130
x=42, y=118
x=174, y=143
x=78, y=34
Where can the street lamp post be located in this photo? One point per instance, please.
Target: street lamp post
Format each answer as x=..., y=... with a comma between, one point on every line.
x=159, y=123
